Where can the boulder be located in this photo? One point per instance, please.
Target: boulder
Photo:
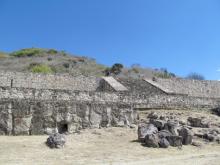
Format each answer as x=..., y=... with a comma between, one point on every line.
x=175, y=141
x=210, y=137
x=146, y=129
x=216, y=111
x=56, y=140
x=163, y=143
x=152, y=140
x=164, y=134
x=198, y=122
x=187, y=135
x=158, y=123
x=172, y=127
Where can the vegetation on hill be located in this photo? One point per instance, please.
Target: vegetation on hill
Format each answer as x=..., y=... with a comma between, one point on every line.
x=163, y=73
x=195, y=76
x=115, y=69
x=41, y=68
x=38, y=60
x=30, y=52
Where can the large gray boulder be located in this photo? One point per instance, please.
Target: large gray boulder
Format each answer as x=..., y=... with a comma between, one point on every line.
x=164, y=143
x=146, y=129
x=152, y=140
x=175, y=141
x=172, y=127
x=164, y=134
x=56, y=140
x=187, y=135
x=158, y=123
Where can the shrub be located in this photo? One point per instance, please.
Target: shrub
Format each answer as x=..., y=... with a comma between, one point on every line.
x=27, y=52
x=195, y=76
x=115, y=69
x=52, y=51
x=41, y=69
x=163, y=73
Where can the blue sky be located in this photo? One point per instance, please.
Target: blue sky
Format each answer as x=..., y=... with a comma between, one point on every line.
x=180, y=35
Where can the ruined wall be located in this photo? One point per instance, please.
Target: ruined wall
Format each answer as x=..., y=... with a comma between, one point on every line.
x=105, y=87
x=195, y=88
x=38, y=111
x=24, y=117
x=37, y=104
x=44, y=81
x=34, y=111
x=178, y=102
x=140, y=86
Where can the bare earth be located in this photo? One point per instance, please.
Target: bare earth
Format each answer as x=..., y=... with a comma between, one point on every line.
x=108, y=146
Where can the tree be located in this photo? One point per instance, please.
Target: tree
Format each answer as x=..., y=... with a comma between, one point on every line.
x=115, y=69
x=164, y=73
x=195, y=76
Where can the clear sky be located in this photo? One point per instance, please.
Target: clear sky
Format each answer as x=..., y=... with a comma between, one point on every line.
x=180, y=35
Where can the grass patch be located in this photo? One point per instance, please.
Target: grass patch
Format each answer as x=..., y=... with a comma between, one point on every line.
x=41, y=68
x=33, y=52
x=27, y=52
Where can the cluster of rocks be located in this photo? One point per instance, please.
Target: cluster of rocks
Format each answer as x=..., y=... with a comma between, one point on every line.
x=160, y=133
x=211, y=135
x=168, y=130
x=56, y=140
x=206, y=131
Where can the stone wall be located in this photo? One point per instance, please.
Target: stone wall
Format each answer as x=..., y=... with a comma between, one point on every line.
x=178, y=102
x=24, y=117
x=195, y=88
x=37, y=111
x=37, y=104
x=140, y=86
x=44, y=81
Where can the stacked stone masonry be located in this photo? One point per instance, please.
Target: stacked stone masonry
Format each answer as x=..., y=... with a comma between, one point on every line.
x=38, y=104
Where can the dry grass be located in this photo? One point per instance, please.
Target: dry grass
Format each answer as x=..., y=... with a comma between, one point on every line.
x=101, y=146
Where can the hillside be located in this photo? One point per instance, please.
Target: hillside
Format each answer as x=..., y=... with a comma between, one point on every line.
x=52, y=61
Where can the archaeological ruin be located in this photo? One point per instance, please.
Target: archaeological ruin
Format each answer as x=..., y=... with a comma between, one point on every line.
x=32, y=104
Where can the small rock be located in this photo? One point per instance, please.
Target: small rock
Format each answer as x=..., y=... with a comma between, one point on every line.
x=133, y=126
x=197, y=144
x=210, y=137
x=56, y=140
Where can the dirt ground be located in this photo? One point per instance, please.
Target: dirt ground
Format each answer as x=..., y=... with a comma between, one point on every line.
x=109, y=146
